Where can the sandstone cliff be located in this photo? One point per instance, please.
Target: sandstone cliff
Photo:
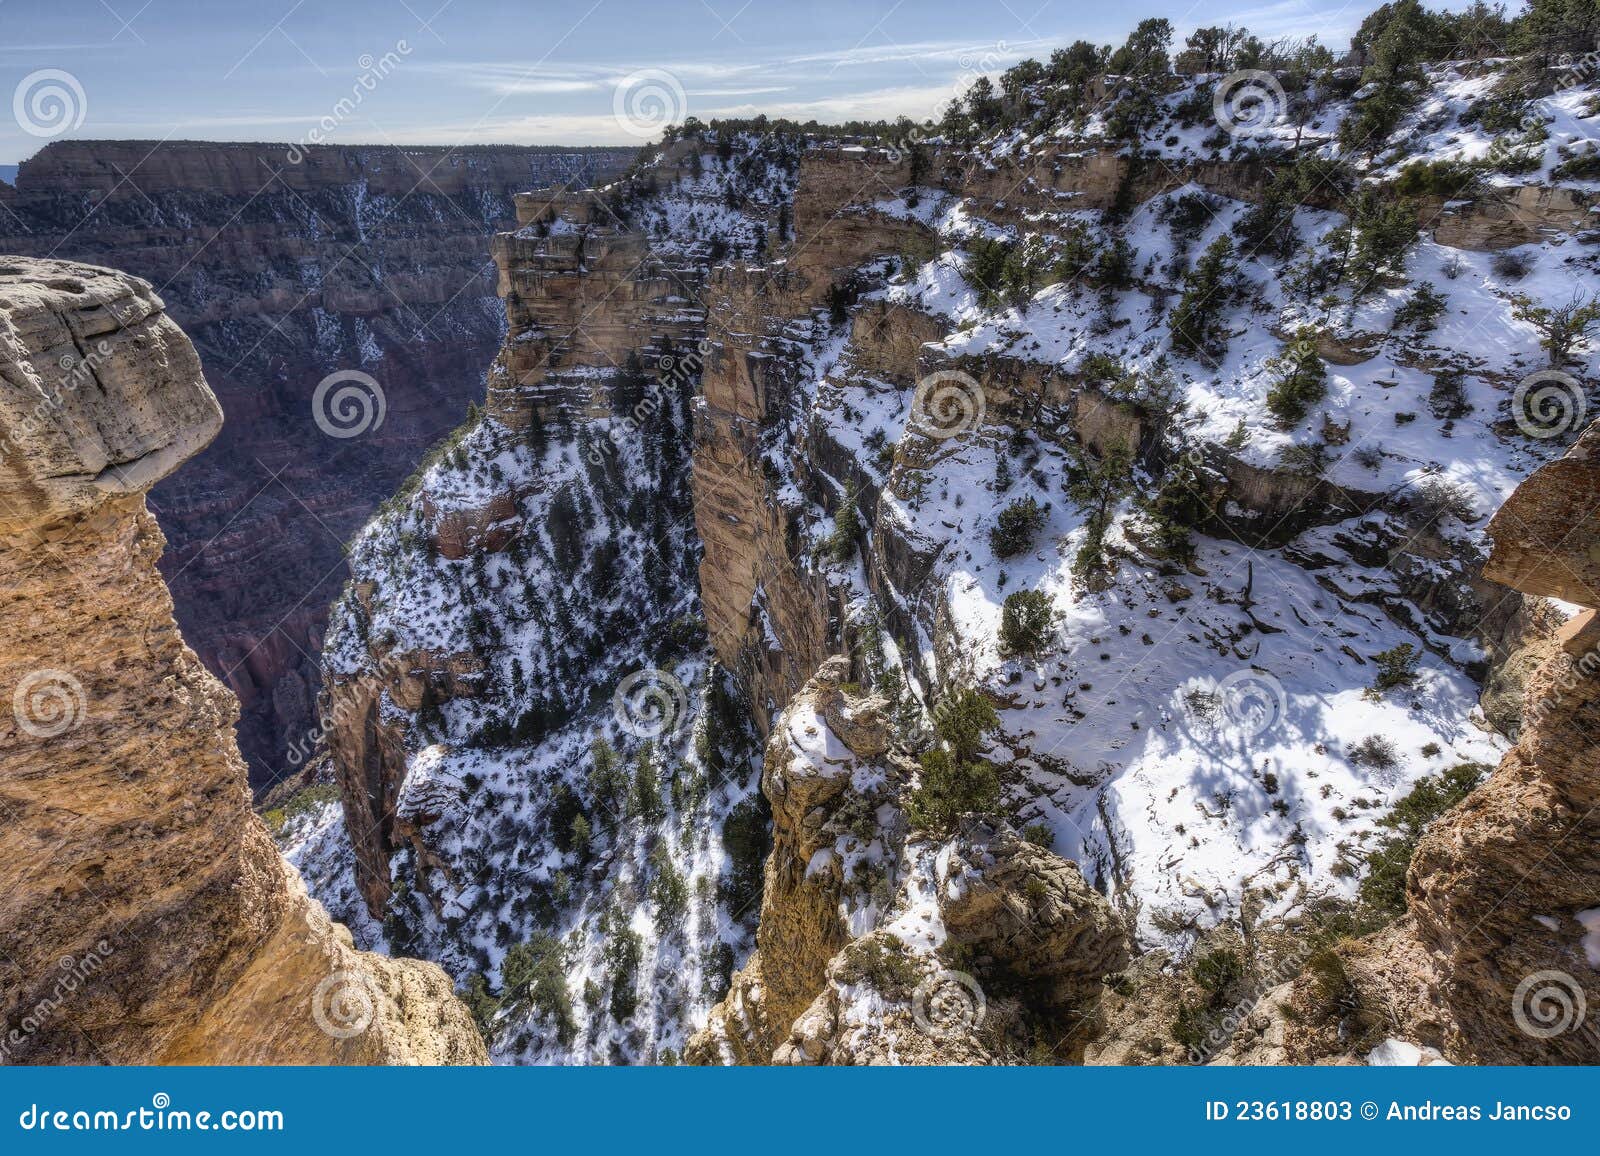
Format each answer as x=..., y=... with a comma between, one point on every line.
x=1505, y=889
x=147, y=916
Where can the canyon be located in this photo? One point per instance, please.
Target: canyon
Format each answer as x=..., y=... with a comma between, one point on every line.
x=285, y=265
x=1089, y=582
x=742, y=482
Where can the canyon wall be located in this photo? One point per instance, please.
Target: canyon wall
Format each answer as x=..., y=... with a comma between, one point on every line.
x=283, y=271
x=532, y=744
x=1503, y=888
x=146, y=914
x=904, y=355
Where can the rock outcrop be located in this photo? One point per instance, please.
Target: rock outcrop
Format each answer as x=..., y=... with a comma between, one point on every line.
x=284, y=266
x=1505, y=888
x=867, y=926
x=146, y=915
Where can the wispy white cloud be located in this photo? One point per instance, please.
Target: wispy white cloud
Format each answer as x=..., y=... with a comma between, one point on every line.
x=166, y=129
x=965, y=53
x=1333, y=27
x=740, y=91
x=516, y=80
x=917, y=102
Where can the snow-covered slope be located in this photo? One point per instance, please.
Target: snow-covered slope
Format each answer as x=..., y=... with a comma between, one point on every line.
x=1226, y=405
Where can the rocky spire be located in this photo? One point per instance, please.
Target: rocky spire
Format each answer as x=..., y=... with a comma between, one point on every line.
x=145, y=914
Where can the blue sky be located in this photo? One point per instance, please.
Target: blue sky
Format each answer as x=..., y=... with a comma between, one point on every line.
x=474, y=71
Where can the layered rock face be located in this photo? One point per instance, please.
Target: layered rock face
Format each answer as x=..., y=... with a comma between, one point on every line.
x=863, y=924
x=589, y=306
x=1503, y=889
x=283, y=271
x=536, y=756
x=759, y=331
x=147, y=915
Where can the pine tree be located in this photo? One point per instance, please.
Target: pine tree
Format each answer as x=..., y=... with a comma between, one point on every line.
x=1197, y=322
x=1097, y=484
x=841, y=544
x=954, y=779
x=1177, y=507
x=1302, y=379
x=646, y=800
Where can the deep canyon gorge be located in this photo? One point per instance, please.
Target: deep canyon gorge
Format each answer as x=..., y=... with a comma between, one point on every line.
x=1084, y=581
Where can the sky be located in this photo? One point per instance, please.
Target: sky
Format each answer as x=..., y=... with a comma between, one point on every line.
x=534, y=72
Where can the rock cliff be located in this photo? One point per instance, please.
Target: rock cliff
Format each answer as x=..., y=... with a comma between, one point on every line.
x=285, y=266
x=147, y=915
x=537, y=757
x=1503, y=889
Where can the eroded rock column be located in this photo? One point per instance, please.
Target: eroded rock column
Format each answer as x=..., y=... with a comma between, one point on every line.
x=145, y=915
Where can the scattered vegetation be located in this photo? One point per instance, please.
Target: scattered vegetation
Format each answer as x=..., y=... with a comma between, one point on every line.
x=1026, y=622
x=1177, y=508
x=1388, y=861
x=1198, y=322
x=1562, y=328
x=534, y=974
x=1097, y=484
x=1396, y=667
x=1016, y=528
x=1421, y=311
x=1375, y=753
x=955, y=778
x=841, y=543
x=1301, y=381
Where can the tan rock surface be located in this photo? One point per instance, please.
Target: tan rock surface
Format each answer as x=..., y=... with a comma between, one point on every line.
x=145, y=914
x=1497, y=883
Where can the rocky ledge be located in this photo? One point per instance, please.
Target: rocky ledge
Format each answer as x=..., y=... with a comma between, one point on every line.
x=146, y=914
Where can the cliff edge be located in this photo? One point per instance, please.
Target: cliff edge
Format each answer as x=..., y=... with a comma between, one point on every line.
x=146, y=915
